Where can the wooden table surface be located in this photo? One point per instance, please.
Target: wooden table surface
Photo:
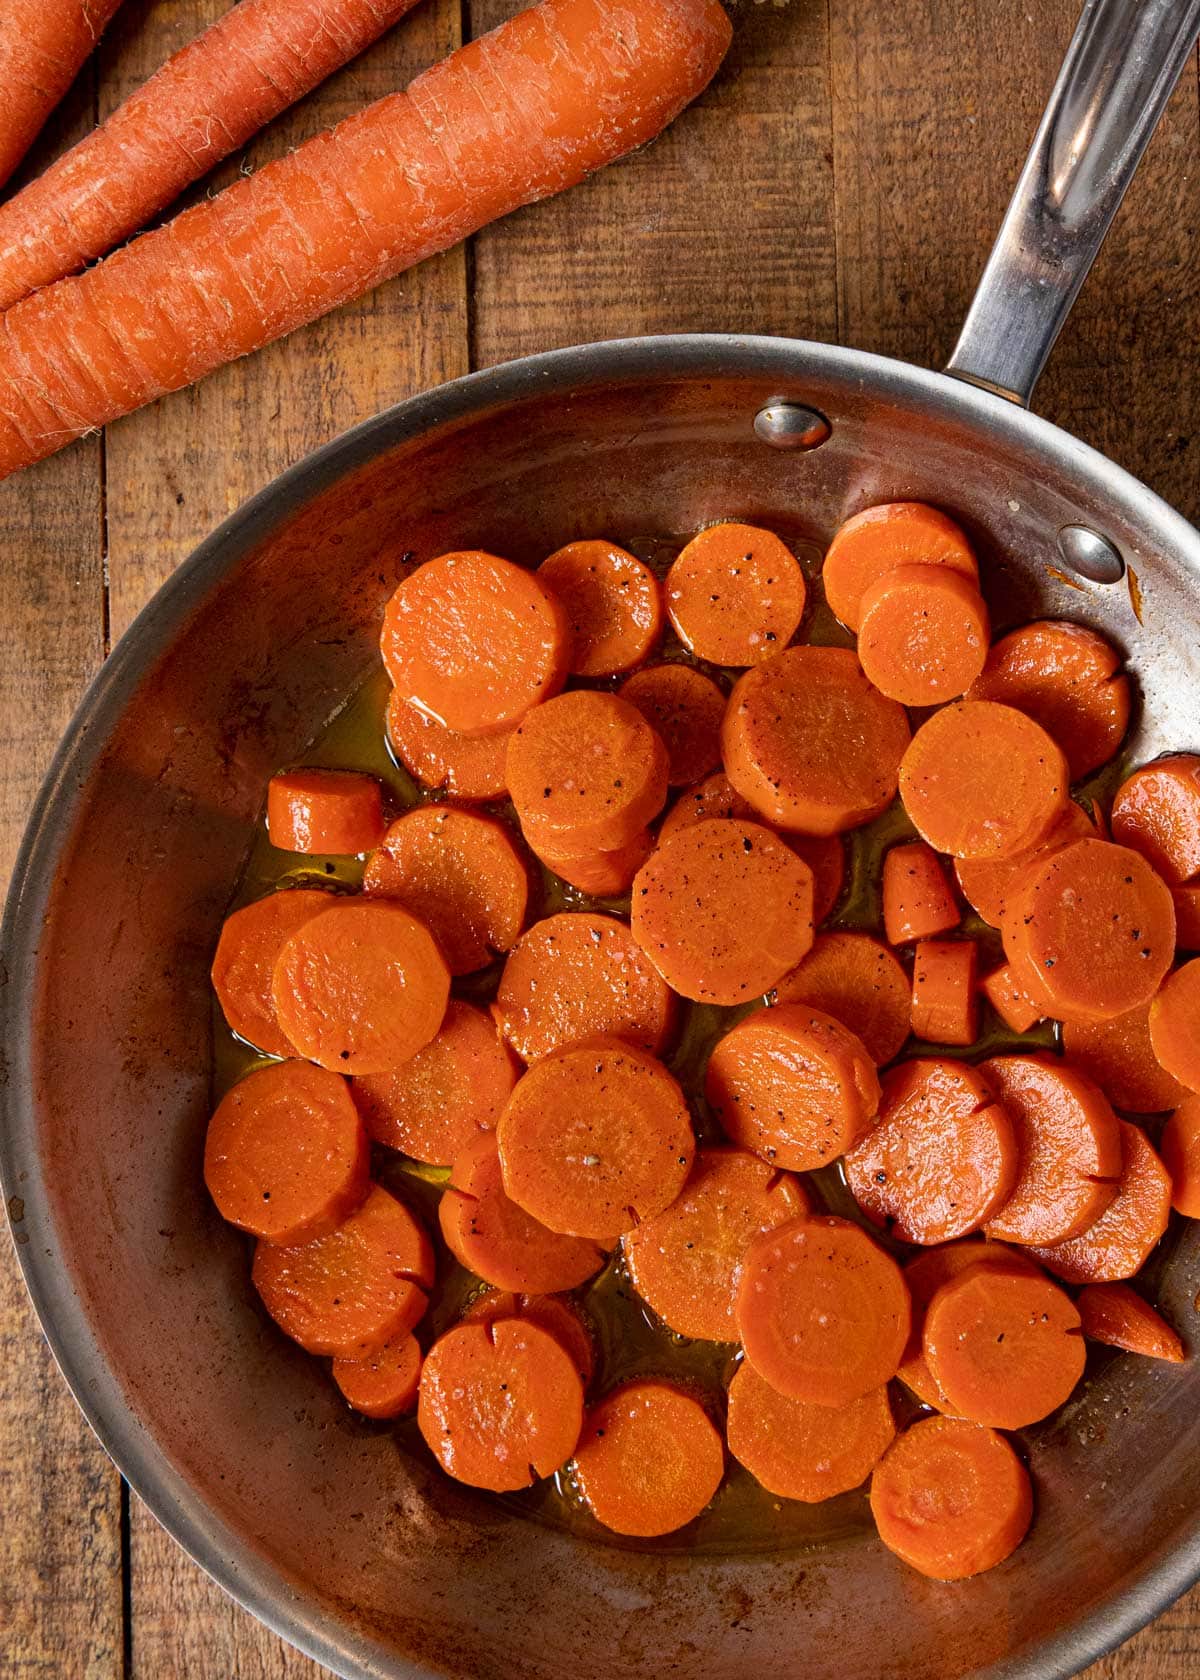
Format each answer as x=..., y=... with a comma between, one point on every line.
x=841, y=180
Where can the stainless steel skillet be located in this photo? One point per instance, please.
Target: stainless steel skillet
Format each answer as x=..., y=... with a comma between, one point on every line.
x=357, y=1553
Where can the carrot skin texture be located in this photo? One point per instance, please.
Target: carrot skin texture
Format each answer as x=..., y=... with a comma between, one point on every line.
x=43, y=44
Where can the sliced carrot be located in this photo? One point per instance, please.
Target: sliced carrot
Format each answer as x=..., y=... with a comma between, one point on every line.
x=811, y=744
x=723, y=910
x=940, y=1159
x=1175, y=1025
x=823, y=1312
x=825, y=855
x=735, y=594
x=244, y=961
x=557, y=1314
x=988, y=883
x=1010, y=1000
x=685, y=708
x=684, y=1262
x=1157, y=812
x=463, y=766
x=1119, y=1056
x=1115, y=1314
x=715, y=796
x=461, y=874
x=601, y=874
x=500, y=1404
x=475, y=642
x=577, y=976
x=587, y=770
x=951, y=1499
x=286, y=1157
x=794, y=1085
x=649, y=1459
x=1181, y=1156
x=348, y=1293
x=917, y=898
x=945, y=1002
x=434, y=1104
x=800, y=1451
x=596, y=1139
x=491, y=1236
x=382, y=1384
x=923, y=634
x=879, y=539
x=860, y=983
x=360, y=988
x=924, y=1276
x=1117, y=1246
x=612, y=603
x=334, y=811
x=1187, y=915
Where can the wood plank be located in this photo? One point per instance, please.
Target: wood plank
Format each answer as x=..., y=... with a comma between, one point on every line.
x=1169, y=1649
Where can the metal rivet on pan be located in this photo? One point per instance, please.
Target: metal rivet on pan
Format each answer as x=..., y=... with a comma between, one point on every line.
x=791, y=426
x=1090, y=555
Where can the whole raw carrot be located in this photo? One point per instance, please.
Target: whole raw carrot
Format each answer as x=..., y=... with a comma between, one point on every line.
x=43, y=43
x=521, y=113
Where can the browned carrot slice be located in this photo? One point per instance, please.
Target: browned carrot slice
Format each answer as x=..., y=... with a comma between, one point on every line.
x=735, y=594
x=600, y=874
x=334, y=811
x=286, y=1156
x=1175, y=1025
x=811, y=744
x=595, y=1139
x=923, y=634
x=612, y=603
x=475, y=642
x=941, y=1158
x=1119, y=1056
x=1117, y=1246
x=360, y=988
x=1187, y=915
x=685, y=708
x=860, y=983
x=433, y=1105
x=1115, y=1314
x=1010, y=1000
x=825, y=855
x=464, y=766
x=1181, y=1156
x=945, y=1004
x=951, y=1498
x=917, y=898
x=577, y=976
x=987, y=883
x=723, y=910
x=800, y=1451
x=244, y=961
x=715, y=796
x=559, y=1315
x=649, y=1459
x=500, y=1404
x=1157, y=812
x=878, y=539
x=823, y=1312
x=924, y=1276
x=684, y=1262
x=382, y=1384
x=348, y=1293
x=794, y=1085
x=491, y=1236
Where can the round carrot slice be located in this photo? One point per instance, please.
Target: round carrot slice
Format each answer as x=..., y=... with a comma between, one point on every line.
x=879, y=539
x=577, y=976
x=945, y=1003
x=1118, y=1055
x=491, y=1236
x=475, y=642
x=334, y=811
x=244, y=961
x=1117, y=1246
x=1181, y=1156
x=955, y=794
x=348, y=1293
x=988, y=883
x=823, y=1312
x=800, y=1451
x=951, y=1499
x=1113, y=1313
x=715, y=796
x=1157, y=812
x=811, y=744
x=649, y=1459
x=917, y=900
x=1004, y=1347
x=860, y=983
x=433, y=1105
x=500, y=1404
x=1175, y=1025
x=940, y=1160
x=685, y=709
x=1187, y=915
x=825, y=855
x=600, y=874
x=612, y=603
x=559, y=1315
x=586, y=770
x=924, y=1276
x=735, y=594
x=595, y=1139
x=382, y=1384
x=794, y=1085
x=463, y=766
x=723, y=910
x=923, y=634
x=1066, y=678
x=684, y=1261
x=286, y=1156
x=461, y=874
x=360, y=988
x=1068, y=1144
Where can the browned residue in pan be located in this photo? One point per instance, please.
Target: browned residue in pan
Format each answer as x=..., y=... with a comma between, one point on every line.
x=1135, y=593
x=1063, y=578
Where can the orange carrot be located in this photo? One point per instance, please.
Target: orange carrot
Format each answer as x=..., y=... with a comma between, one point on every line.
x=715, y=796
x=600, y=874
x=463, y=766
x=879, y=539
x=649, y=1459
x=406, y=177
x=685, y=708
x=244, y=961
x=1157, y=812
x=800, y=1451
x=735, y=595
x=1118, y=1055
x=382, y=1384
x=43, y=44
x=1117, y=1246
x=917, y=900
x=286, y=1156
x=825, y=855
x=1115, y=1314
x=860, y=983
x=923, y=635
x=988, y=883
x=1181, y=1156
x=1187, y=915
x=924, y=1276
x=335, y=811
x=1175, y=1025
x=1010, y=1000
x=612, y=603
x=559, y=1315
x=945, y=1004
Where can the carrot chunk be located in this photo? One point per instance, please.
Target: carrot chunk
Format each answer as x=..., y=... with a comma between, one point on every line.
x=685, y=708
x=612, y=604
x=559, y=1315
x=1115, y=1314
x=649, y=1459
x=382, y=1384
x=1118, y=1055
x=684, y=1262
x=600, y=874
x=988, y=883
x=877, y=540
x=800, y=1451
x=917, y=899
x=860, y=983
x=715, y=796
x=500, y=1404
x=1187, y=915
x=923, y=634
x=244, y=961
x=1010, y=1000
x=334, y=811
x=1157, y=812
x=924, y=1276
x=794, y=1085
x=735, y=595
x=823, y=1312
x=463, y=766
x=811, y=744
x=945, y=1002
x=1181, y=1156
x=951, y=1499
x=825, y=855
x=1175, y=1025
x=1117, y=1246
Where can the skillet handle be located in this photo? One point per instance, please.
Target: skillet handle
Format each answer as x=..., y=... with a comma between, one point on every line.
x=1119, y=73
